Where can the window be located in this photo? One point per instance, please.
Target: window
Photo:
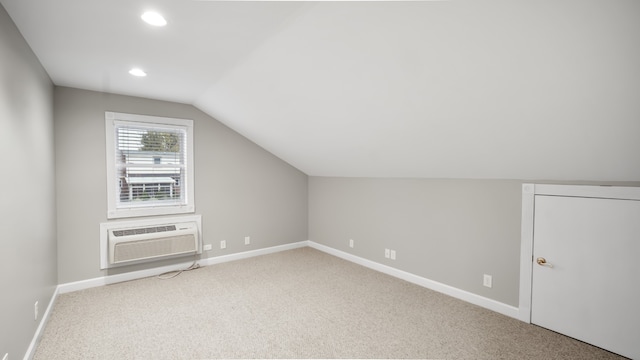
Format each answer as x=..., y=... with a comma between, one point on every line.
x=149, y=165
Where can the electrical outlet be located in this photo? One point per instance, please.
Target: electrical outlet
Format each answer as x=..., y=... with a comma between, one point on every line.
x=207, y=247
x=247, y=240
x=393, y=254
x=223, y=244
x=487, y=281
x=351, y=243
x=35, y=311
x=386, y=253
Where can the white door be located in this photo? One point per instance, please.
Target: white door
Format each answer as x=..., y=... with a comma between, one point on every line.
x=589, y=287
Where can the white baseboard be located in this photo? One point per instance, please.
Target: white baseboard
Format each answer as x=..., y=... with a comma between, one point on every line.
x=31, y=351
x=134, y=275
x=475, y=299
x=252, y=253
x=112, y=279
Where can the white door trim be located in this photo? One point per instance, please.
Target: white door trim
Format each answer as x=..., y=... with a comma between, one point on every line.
x=529, y=191
x=526, y=252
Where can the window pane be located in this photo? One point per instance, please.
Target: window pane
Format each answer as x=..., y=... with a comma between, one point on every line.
x=151, y=165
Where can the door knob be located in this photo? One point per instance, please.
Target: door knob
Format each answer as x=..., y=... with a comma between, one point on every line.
x=543, y=262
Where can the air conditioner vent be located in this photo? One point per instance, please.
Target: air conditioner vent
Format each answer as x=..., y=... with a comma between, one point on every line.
x=127, y=245
x=153, y=248
x=148, y=230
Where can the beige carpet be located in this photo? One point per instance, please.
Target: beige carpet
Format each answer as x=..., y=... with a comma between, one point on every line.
x=294, y=304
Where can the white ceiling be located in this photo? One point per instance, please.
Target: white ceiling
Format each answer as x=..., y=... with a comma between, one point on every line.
x=445, y=89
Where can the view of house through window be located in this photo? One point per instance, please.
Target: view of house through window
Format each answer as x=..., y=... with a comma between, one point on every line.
x=150, y=164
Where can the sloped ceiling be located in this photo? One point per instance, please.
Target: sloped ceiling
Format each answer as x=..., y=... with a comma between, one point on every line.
x=438, y=89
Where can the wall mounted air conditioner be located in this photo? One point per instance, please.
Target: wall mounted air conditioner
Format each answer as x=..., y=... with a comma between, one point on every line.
x=134, y=244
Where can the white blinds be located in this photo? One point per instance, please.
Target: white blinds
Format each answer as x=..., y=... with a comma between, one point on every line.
x=150, y=164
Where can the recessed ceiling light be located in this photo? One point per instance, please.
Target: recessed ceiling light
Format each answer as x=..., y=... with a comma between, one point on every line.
x=153, y=18
x=137, y=72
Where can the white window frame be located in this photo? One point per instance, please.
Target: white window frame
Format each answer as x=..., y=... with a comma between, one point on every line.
x=115, y=212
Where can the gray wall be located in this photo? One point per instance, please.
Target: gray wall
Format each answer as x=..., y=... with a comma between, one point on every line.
x=27, y=208
x=240, y=189
x=450, y=231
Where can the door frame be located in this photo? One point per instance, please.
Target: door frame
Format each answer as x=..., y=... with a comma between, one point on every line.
x=529, y=191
